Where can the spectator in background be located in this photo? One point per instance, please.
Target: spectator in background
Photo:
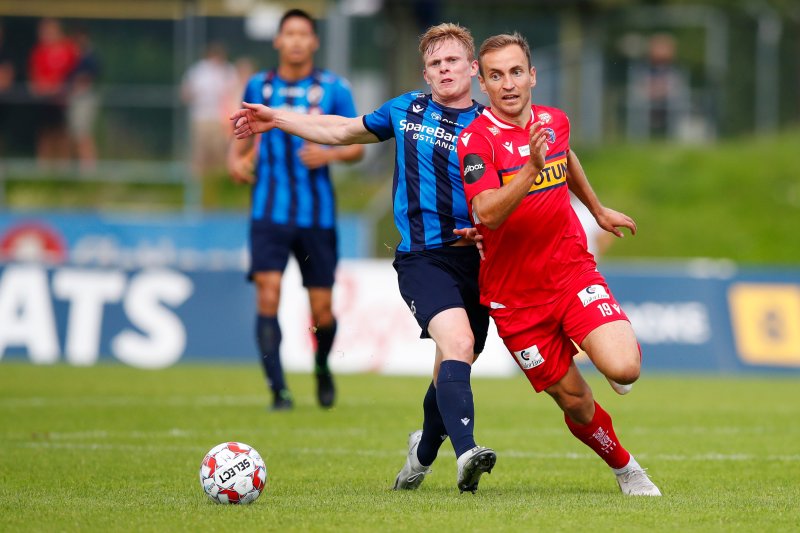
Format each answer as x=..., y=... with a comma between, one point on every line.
x=50, y=63
x=7, y=72
x=207, y=88
x=662, y=82
x=245, y=69
x=660, y=91
x=83, y=102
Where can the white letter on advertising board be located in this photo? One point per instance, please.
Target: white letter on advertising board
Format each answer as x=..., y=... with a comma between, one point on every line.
x=26, y=314
x=87, y=291
x=165, y=335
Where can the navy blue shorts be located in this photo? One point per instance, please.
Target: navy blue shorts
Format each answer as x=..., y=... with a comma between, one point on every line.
x=314, y=248
x=432, y=281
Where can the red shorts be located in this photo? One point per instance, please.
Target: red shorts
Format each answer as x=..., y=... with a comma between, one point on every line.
x=540, y=337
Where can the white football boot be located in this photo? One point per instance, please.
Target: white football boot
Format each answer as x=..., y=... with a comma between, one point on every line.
x=412, y=473
x=634, y=481
x=472, y=464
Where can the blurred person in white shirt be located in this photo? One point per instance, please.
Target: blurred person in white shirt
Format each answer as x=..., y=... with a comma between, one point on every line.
x=206, y=89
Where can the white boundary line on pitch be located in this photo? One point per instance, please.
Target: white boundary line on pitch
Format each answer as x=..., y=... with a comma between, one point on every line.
x=511, y=454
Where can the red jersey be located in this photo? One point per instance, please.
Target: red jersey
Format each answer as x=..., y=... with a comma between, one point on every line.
x=541, y=247
x=51, y=64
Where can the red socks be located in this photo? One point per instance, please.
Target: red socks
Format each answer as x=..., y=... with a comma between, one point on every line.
x=599, y=436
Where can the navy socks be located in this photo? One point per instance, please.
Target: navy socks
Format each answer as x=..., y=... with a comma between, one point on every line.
x=268, y=335
x=454, y=397
x=324, y=335
x=433, y=431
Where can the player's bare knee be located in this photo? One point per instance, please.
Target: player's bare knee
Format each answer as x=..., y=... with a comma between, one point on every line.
x=322, y=317
x=459, y=346
x=267, y=302
x=624, y=374
x=626, y=370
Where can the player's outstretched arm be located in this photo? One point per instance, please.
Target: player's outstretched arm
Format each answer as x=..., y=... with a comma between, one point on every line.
x=607, y=218
x=322, y=129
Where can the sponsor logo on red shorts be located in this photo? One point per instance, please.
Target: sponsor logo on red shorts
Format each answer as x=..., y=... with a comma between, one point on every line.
x=529, y=357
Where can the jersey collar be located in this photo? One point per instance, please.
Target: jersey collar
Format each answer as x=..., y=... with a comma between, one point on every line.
x=502, y=124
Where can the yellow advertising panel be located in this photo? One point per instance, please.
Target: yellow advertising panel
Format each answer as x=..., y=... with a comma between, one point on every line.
x=766, y=322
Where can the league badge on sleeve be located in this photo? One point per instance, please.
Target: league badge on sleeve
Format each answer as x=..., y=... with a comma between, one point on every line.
x=592, y=293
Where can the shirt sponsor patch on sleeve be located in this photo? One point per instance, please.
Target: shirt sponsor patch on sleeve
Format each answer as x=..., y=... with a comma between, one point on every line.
x=593, y=293
x=474, y=168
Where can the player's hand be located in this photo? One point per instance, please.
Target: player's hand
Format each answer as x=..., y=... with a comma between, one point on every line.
x=314, y=155
x=538, y=145
x=472, y=235
x=252, y=119
x=611, y=220
x=242, y=170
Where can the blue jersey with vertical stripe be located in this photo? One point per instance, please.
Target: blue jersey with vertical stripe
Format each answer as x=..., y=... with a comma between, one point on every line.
x=285, y=191
x=428, y=193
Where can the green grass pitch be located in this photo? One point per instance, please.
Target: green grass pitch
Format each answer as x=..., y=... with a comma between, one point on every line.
x=110, y=448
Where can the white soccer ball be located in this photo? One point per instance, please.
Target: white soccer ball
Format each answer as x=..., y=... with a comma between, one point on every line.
x=233, y=472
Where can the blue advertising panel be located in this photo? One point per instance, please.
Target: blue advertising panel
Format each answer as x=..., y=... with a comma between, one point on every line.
x=150, y=318
x=184, y=241
x=156, y=317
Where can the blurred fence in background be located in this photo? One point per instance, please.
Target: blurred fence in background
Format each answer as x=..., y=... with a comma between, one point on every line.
x=732, y=69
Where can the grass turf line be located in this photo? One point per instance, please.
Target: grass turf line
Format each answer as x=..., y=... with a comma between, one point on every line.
x=110, y=448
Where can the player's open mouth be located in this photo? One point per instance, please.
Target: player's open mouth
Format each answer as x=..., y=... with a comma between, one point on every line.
x=446, y=81
x=510, y=97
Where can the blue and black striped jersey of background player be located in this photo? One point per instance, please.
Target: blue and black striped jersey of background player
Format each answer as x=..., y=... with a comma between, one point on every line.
x=428, y=193
x=285, y=191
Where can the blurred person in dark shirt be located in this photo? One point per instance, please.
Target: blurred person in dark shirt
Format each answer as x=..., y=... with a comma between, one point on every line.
x=7, y=73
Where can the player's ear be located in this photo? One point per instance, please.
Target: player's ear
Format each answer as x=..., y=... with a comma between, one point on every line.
x=473, y=68
x=533, y=77
x=425, y=75
x=483, y=85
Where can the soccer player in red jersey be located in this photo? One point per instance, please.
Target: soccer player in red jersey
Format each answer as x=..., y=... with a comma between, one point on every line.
x=538, y=278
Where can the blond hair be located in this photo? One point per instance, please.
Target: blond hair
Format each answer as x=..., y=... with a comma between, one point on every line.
x=497, y=42
x=436, y=35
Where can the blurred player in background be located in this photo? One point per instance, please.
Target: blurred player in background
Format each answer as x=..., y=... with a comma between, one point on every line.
x=437, y=267
x=293, y=208
x=538, y=278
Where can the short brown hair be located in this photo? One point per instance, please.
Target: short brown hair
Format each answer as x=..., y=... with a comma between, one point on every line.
x=436, y=35
x=497, y=42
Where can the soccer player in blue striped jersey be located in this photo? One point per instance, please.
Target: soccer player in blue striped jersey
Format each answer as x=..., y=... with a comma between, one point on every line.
x=436, y=261
x=292, y=201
